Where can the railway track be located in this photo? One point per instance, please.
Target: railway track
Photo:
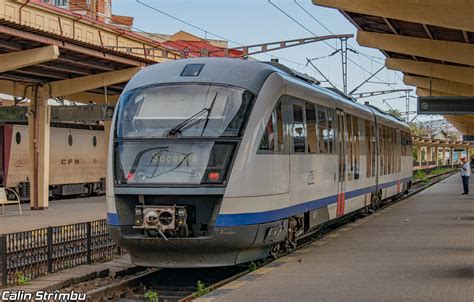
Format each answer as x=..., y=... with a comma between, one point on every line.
x=170, y=285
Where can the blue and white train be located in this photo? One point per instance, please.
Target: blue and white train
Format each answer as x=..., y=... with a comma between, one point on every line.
x=219, y=161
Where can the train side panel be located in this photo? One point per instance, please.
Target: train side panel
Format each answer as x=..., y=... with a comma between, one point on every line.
x=82, y=161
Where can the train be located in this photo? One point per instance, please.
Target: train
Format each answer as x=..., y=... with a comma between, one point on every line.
x=76, y=166
x=217, y=161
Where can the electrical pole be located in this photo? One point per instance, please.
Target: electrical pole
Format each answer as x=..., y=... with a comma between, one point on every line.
x=344, y=63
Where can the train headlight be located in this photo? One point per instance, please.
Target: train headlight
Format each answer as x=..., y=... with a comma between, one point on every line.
x=165, y=218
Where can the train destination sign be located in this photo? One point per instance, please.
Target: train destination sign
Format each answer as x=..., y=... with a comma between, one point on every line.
x=446, y=105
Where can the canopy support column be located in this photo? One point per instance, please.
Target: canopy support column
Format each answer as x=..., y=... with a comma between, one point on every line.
x=39, y=147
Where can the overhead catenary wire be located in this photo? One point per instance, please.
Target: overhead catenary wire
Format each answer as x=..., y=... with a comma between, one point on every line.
x=207, y=32
x=310, y=31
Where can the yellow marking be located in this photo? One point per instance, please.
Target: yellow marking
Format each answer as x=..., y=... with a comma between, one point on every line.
x=263, y=270
x=319, y=243
x=333, y=235
x=346, y=229
x=234, y=285
x=304, y=250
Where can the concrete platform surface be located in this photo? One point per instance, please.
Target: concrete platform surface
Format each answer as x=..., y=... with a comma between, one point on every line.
x=60, y=212
x=420, y=249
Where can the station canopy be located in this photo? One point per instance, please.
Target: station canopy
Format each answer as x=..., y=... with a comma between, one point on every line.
x=430, y=41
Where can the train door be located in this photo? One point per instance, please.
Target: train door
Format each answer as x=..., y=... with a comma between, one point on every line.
x=341, y=147
x=300, y=167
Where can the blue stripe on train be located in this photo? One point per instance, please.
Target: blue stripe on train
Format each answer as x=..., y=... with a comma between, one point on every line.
x=112, y=219
x=225, y=220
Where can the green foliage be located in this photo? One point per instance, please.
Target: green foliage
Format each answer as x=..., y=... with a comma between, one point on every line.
x=201, y=290
x=21, y=279
x=151, y=295
x=419, y=174
x=252, y=266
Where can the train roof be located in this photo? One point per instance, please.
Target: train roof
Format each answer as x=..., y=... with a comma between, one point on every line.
x=249, y=75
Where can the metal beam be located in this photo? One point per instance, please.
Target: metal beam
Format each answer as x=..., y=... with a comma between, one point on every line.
x=20, y=59
x=455, y=14
x=441, y=71
x=271, y=46
x=426, y=92
x=455, y=88
x=455, y=52
x=375, y=93
x=81, y=84
x=15, y=88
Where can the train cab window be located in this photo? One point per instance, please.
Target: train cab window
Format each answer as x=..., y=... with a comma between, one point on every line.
x=311, y=128
x=298, y=132
x=272, y=140
x=323, y=133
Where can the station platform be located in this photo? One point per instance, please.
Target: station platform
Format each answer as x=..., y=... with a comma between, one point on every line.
x=420, y=249
x=59, y=212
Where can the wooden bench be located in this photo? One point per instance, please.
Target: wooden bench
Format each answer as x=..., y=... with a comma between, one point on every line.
x=4, y=200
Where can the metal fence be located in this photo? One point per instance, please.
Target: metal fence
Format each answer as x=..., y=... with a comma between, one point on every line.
x=30, y=254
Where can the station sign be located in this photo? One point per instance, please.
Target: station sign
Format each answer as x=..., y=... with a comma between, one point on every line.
x=13, y=114
x=452, y=105
x=86, y=113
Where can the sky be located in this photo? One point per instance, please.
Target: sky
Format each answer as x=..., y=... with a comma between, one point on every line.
x=257, y=21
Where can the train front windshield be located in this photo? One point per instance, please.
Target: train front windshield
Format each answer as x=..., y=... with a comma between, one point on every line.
x=173, y=134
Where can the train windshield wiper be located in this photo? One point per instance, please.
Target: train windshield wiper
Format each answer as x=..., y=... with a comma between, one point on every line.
x=193, y=120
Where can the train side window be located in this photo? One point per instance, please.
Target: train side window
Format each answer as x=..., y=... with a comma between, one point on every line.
x=373, y=139
x=69, y=140
x=356, y=146
x=349, y=148
x=322, y=130
x=298, y=130
x=368, y=149
x=331, y=133
x=311, y=127
x=94, y=141
x=18, y=137
x=268, y=139
x=281, y=140
x=272, y=140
